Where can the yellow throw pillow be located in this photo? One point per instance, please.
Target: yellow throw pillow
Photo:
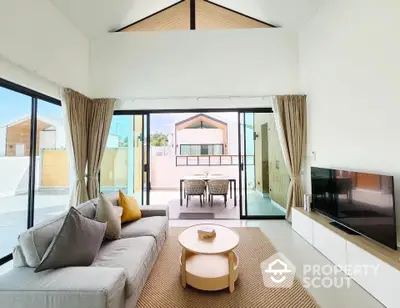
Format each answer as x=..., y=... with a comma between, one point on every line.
x=131, y=210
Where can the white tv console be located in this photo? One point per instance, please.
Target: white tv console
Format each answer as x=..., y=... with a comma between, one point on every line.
x=344, y=249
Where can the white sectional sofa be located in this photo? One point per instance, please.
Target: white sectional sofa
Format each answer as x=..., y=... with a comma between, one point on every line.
x=114, y=280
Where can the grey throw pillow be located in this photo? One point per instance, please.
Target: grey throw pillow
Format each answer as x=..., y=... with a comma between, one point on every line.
x=76, y=243
x=110, y=214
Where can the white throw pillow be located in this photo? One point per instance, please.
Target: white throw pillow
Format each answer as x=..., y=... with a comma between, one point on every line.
x=110, y=214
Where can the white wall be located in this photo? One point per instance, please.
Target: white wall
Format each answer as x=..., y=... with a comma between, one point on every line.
x=170, y=174
x=283, y=13
x=200, y=136
x=194, y=63
x=37, y=37
x=350, y=69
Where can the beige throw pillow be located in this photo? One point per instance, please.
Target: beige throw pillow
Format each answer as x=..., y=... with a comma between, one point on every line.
x=110, y=214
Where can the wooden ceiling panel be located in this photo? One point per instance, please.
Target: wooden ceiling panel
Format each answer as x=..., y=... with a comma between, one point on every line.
x=176, y=17
x=208, y=15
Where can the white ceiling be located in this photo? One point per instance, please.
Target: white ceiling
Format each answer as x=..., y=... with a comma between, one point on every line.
x=97, y=17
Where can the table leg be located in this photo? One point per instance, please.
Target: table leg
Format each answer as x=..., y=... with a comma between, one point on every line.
x=230, y=189
x=183, y=268
x=231, y=274
x=234, y=191
x=180, y=191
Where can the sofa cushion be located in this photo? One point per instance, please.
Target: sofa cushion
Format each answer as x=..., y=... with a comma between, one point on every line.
x=110, y=214
x=63, y=288
x=155, y=226
x=35, y=241
x=76, y=244
x=135, y=255
x=113, y=198
x=18, y=257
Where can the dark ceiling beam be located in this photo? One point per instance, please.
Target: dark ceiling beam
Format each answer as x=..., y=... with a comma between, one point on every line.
x=244, y=15
x=147, y=17
x=192, y=14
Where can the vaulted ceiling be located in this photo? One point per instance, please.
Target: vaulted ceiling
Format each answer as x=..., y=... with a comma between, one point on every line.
x=98, y=17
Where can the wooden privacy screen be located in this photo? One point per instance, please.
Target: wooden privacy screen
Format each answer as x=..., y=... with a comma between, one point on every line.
x=208, y=15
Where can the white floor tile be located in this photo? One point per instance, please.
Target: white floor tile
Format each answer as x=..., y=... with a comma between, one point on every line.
x=300, y=252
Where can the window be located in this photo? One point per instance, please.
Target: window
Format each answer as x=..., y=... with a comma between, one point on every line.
x=121, y=167
x=21, y=163
x=52, y=164
x=202, y=149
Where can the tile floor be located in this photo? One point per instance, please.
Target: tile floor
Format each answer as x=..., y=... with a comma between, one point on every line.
x=300, y=252
x=257, y=205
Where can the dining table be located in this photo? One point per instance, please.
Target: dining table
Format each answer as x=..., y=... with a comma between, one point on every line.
x=206, y=178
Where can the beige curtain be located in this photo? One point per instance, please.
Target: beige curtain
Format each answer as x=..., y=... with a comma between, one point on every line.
x=99, y=122
x=76, y=108
x=291, y=121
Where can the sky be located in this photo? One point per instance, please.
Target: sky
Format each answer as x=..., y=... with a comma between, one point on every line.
x=15, y=106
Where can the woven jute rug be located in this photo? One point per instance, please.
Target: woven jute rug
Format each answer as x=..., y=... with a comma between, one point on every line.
x=163, y=288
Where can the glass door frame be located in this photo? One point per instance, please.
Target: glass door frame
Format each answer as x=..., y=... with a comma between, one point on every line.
x=145, y=172
x=35, y=97
x=242, y=140
x=241, y=164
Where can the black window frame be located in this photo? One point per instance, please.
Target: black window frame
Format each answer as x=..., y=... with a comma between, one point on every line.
x=201, y=147
x=35, y=97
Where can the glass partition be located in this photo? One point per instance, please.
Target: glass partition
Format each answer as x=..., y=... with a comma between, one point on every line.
x=265, y=180
x=15, y=131
x=122, y=164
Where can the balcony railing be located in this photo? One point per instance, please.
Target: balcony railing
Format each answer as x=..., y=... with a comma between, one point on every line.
x=212, y=160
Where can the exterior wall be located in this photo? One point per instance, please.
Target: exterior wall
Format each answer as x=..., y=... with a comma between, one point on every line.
x=138, y=155
x=270, y=165
x=278, y=176
x=20, y=134
x=48, y=139
x=259, y=161
x=114, y=168
x=3, y=132
x=166, y=175
x=17, y=179
x=54, y=171
x=200, y=136
x=112, y=141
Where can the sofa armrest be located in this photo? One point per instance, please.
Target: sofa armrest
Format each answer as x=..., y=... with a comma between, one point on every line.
x=70, y=287
x=154, y=210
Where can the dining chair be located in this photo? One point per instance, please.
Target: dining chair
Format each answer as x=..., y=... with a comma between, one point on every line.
x=217, y=188
x=194, y=188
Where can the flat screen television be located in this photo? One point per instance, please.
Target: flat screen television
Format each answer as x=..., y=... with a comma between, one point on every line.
x=361, y=202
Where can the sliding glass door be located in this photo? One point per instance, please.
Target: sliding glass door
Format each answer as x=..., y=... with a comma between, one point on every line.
x=31, y=129
x=125, y=161
x=263, y=177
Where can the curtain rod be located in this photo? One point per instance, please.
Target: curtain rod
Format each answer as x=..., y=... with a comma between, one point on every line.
x=197, y=97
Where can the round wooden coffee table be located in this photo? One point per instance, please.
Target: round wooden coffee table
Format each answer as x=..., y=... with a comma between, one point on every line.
x=209, y=265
